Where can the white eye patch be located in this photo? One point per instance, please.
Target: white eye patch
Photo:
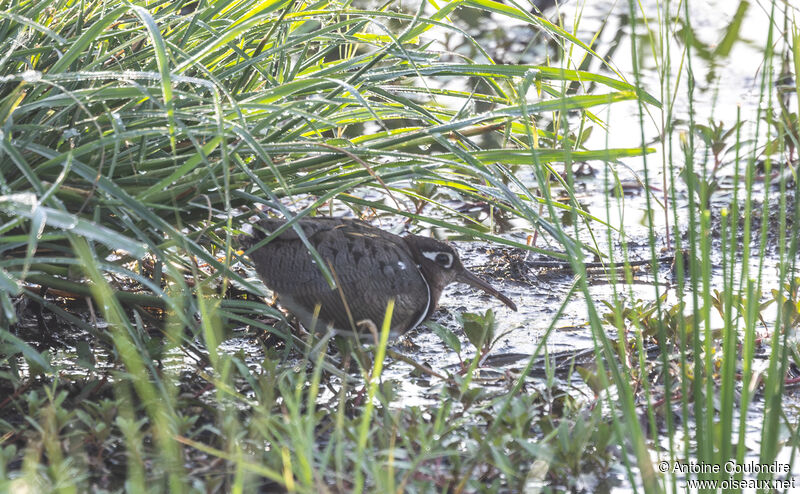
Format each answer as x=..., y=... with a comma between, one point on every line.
x=443, y=259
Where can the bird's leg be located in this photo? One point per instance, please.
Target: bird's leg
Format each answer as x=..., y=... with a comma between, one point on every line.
x=345, y=349
x=371, y=327
x=353, y=352
x=358, y=400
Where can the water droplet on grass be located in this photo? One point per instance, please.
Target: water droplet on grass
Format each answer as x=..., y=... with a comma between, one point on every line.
x=31, y=76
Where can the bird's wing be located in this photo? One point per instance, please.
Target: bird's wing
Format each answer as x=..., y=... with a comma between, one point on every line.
x=370, y=266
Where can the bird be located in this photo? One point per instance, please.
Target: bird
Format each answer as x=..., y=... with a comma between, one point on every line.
x=370, y=266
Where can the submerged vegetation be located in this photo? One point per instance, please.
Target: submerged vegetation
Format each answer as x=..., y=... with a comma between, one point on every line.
x=137, y=353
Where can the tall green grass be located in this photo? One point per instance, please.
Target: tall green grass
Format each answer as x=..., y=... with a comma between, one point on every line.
x=706, y=377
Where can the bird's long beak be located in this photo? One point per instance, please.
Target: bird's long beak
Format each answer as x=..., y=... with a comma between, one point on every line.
x=470, y=278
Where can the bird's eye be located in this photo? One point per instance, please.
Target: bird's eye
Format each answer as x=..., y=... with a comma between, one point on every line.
x=444, y=259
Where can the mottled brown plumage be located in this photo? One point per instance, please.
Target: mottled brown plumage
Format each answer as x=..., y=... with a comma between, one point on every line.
x=371, y=266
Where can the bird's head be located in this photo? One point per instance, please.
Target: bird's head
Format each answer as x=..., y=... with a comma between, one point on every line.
x=441, y=265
